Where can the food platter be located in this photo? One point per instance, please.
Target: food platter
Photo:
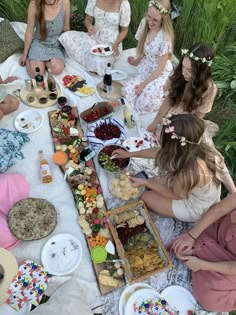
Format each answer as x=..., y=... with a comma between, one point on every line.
x=179, y=298
x=128, y=291
x=28, y=121
x=61, y=254
x=24, y=93
x=101, y=50
x=118, y=75
x=78, y=85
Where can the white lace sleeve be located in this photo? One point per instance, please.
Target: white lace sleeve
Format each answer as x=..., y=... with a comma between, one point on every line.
x=125, y=13
x=140, y=29
x=90, y=7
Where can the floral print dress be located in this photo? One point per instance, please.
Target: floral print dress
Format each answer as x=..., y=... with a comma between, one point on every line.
x=79, y=44
x=150, y=100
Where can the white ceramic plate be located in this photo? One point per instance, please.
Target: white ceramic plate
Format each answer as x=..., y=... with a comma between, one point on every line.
x=61, y=254
x=5, y=309
x=137, y=300
x=180, y=298
x=28, y=121
x=118, y=75
x=88, y=83
x=127, y=293
x=103, y=53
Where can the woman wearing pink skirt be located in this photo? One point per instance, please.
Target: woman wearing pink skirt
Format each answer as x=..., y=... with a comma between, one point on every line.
x=13, y=188
x=209, y=250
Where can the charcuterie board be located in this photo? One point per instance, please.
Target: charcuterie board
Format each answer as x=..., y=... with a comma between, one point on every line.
x=81, y=176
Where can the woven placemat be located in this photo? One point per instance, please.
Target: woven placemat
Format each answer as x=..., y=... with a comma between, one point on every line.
x=32, y=219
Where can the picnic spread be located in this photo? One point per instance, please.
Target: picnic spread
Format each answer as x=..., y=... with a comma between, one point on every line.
x=97, y=230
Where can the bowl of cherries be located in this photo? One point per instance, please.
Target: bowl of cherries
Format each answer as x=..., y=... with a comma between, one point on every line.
x=97, y=111
x=108, y=162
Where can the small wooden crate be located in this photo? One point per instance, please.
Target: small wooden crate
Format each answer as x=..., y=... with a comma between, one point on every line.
x=152, y=229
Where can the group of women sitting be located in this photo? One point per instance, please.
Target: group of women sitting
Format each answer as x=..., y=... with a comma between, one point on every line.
x=190, y=170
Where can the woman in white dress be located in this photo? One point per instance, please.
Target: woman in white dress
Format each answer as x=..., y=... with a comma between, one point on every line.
x=107, y=23
x=144, y=92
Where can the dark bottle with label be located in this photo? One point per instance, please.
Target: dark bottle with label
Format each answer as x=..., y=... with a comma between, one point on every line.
x=39, y=79
x=52, y=86
x=107, y=80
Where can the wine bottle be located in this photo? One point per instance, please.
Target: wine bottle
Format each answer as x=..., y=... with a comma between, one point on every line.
x=107, y=80
x=39, y=79
x=45, y=171
x=52, y=86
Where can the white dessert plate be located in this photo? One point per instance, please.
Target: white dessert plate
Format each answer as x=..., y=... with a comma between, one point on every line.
x=128, y=291
x=101, y=50
x=5, y=309
x=88, y=83
x=146, y=301
x=180, y=298
x=118, y=75
x=61, y=254
x=28, y=121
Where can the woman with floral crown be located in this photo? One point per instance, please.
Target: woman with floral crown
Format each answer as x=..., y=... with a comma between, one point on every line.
x=155, y=36
x=189, y=171
x=190, y=88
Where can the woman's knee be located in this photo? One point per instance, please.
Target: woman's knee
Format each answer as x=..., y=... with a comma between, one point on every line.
x=1, y=113
x=57, y=67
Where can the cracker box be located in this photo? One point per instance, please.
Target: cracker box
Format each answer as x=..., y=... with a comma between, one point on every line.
x=138, y=241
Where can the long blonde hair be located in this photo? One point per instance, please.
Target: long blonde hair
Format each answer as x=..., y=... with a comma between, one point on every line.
x=166, y=26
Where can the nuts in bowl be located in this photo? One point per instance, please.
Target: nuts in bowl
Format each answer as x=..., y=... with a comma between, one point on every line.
x=121, y=188
x=109, y=164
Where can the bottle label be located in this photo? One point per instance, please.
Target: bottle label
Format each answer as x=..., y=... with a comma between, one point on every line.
x=45, y=170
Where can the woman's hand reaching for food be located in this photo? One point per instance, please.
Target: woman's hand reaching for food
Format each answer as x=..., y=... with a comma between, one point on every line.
x=137, y=182
x=121, y=154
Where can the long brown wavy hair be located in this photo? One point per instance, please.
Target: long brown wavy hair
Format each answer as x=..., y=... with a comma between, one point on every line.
x=189, y=94
x=177, y=161
x=166, y=26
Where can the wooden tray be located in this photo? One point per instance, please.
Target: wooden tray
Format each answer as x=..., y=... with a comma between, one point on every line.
x=23, y=95
x=121, y=252
x=97, y=267
x=114, y=94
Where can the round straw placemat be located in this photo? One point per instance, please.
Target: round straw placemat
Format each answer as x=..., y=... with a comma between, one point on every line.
x=115, y=92
x=32, y=219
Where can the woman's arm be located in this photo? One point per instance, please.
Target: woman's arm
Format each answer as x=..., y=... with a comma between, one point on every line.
x=224, y=267
x=88, y=22
x=164, y=190
x=32, y=10
x=165, y=107
x=155, y=74
x=67, y=16
x=145, y=154
x=228, y=181
x=122, y=34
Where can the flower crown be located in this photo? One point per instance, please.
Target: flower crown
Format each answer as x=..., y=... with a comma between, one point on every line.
x=186, y=53
x=171, y=129
x=157, y=6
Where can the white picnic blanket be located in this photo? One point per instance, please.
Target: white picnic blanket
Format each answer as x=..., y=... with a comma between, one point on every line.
x=59, y=194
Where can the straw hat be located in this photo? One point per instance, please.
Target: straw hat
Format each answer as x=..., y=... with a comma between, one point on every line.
x=10, y=268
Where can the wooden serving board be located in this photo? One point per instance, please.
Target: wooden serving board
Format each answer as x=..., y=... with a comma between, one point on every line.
x=97, y=267
x=23, y=95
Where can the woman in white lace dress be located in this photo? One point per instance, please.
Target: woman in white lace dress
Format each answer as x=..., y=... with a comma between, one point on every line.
x=144, y=92
x=107, y=23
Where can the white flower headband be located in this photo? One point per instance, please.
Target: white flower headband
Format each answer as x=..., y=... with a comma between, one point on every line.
x=171, y=129
x=186, y=53
x=163, y=11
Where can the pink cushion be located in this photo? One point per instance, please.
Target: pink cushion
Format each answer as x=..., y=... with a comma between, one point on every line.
x=13, y=188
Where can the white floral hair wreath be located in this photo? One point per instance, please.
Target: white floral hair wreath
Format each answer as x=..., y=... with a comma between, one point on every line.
x=186, y=53
x=171, y=129
x=157, y=6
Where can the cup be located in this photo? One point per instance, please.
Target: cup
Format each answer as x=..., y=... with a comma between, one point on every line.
x=29, y=84
x=52, y=95
x=42, y=97
x=30, y=97
x=62, y=101
x=66, y=109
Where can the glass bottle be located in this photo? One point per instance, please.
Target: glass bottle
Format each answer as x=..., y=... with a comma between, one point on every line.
x=39, y=79
x=107, y=79
x=52, y=85
x=128, y=117
x=45, y=171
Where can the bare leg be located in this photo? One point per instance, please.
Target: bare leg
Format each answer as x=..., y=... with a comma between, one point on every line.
x=9, y=105
x=56, y=65
x=32, y=64
x=158, y=204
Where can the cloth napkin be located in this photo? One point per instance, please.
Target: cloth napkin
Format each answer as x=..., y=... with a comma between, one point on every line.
x=28, y=285
x=11, y=143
